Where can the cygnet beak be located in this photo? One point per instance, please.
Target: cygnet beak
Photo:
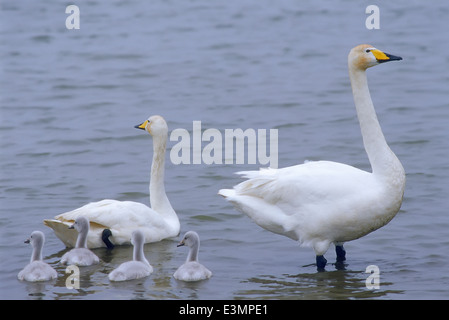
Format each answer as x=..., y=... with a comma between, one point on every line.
x=181, y=244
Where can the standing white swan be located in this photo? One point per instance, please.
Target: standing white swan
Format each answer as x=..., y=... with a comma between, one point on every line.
x=323, y=202
x=192, y=270
x=80, y=255
x=121, y=218
x=139, y=267
x=37, y=270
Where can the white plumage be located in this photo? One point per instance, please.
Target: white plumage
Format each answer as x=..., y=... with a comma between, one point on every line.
x=37, y=270
x=192, y=269
x=139, y=267
x=123, y=217
x=324, y=202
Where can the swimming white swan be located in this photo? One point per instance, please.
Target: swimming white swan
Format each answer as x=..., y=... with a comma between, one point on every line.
x=80, y=255
x=139, y=267
x=323, y=202
x=37, y=270
x=123, y=217
x=192, y=270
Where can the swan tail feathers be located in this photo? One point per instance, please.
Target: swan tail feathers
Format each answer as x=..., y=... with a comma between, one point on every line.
x=257, y=180
x=62, y=231
x=226, y=193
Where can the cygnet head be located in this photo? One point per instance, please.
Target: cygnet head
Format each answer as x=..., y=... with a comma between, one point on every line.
x=36, y=239
x=154, y=125
x=365, y=56
x=190, y=239
x=81, y=224
x=137, y=238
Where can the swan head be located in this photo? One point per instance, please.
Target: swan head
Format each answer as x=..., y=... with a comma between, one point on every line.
x=190, y=239
x=36, y=239
x=80, y=224
x=154, y=125
x=365, y=56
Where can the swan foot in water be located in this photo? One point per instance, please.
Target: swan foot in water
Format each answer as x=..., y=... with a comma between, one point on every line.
x=105, y=237
x=341, y=257
x=320, y=263
x=341, y=253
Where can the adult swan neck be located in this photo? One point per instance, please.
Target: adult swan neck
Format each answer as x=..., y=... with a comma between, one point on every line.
x=383, y=161
x=158, y=198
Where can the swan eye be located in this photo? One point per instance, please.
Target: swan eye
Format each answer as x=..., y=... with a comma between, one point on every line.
x=368, y=50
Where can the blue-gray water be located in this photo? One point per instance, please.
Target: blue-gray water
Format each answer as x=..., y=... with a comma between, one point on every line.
x=70, y=99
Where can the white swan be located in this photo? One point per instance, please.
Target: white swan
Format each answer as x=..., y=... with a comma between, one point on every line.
x=323, y=202
x=139, y=267
x=192, y=270
x=37, y=270
x=80, y=255
x=123, y=217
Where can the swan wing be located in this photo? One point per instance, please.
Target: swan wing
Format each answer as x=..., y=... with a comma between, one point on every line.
x=303, y=184
x=121, y=217
x=192, y=271
x=297, y=200
x=79, y=257
x=37, y=271
x=130, y=270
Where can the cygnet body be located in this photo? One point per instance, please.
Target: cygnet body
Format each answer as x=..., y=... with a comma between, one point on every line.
x=80, y=255
x=37, y=270
x=192, y=270
x=139, y=267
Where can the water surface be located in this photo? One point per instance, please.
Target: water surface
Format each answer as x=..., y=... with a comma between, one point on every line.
x=70, y=99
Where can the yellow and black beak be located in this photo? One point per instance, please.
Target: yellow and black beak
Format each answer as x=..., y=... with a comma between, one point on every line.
x=384, y=57
x=142, y=125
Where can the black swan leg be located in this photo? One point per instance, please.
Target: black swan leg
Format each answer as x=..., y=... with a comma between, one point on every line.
x=320, y=263
x=341, y=253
